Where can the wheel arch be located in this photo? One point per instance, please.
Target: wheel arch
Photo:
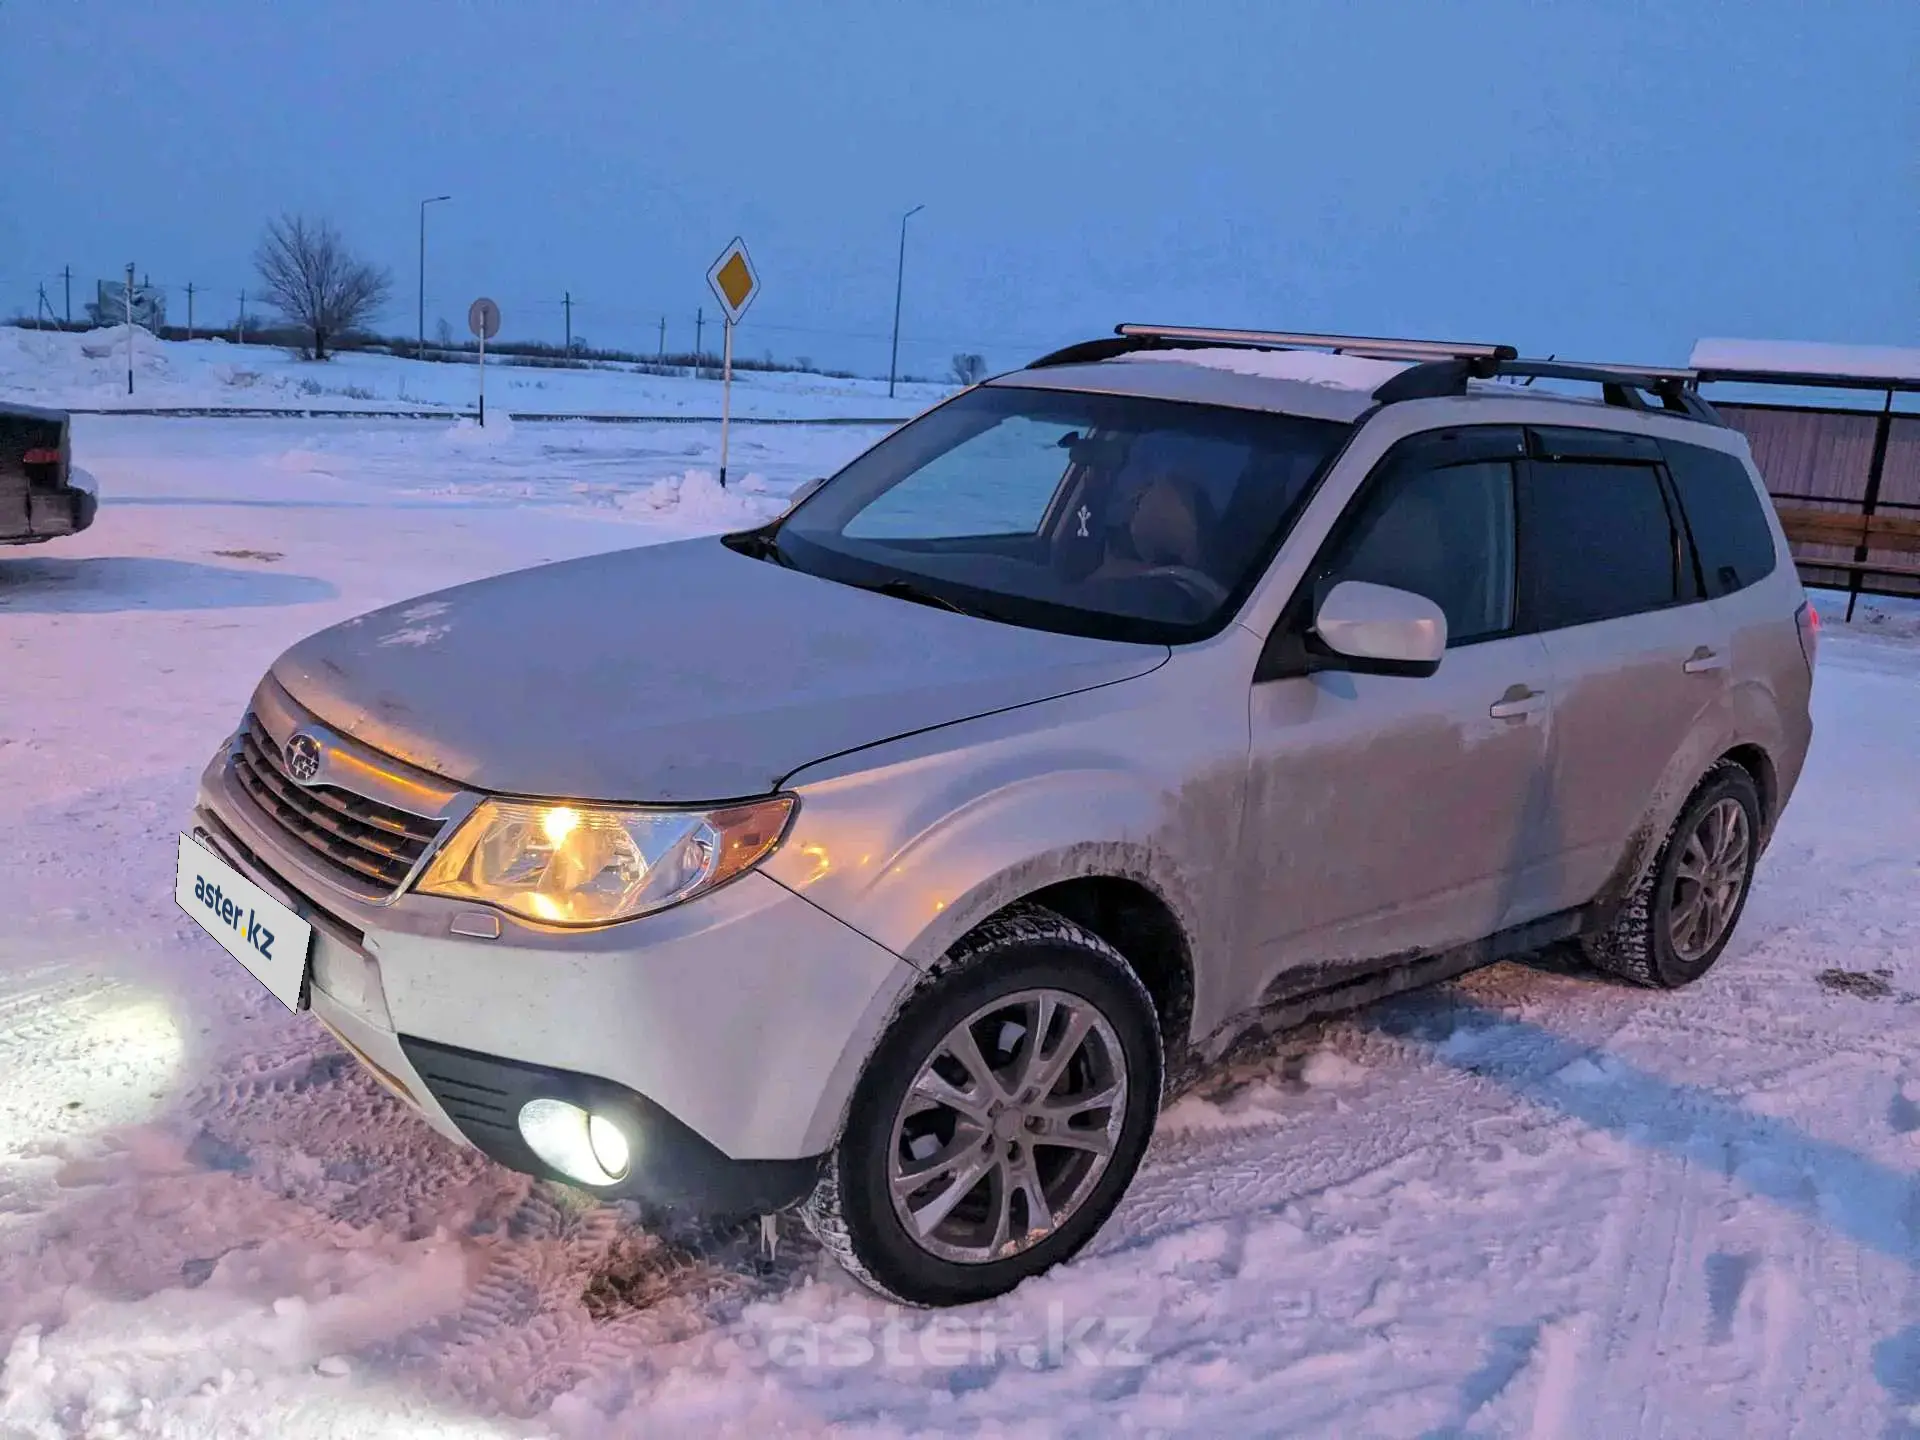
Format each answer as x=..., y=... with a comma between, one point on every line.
x=1114, y=893
x=1754, y=759
x=1136, y=921
x=1690, y=771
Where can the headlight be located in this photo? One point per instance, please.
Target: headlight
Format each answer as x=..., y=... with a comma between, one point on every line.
x=592, y=865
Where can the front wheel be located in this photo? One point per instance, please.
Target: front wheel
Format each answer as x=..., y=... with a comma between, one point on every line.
x=1000, y=1119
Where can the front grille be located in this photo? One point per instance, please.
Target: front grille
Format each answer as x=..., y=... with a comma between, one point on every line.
x=374, y=841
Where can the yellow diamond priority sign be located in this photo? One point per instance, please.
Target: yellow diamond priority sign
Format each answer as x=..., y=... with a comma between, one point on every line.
x=734, y=281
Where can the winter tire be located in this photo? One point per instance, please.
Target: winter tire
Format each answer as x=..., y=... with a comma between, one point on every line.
x=1000, y=1118
x=1683, y=912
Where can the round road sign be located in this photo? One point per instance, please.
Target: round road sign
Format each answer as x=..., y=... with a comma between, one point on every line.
x=483, y=318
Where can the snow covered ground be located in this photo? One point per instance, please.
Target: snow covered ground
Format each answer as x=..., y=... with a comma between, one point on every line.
x=1526, y=1204
x=89, y=371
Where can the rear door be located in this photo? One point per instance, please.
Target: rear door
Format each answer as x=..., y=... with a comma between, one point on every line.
x=1639, y=656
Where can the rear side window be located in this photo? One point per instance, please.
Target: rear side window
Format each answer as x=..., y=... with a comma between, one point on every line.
x=1597, y=542
x=1723, y=511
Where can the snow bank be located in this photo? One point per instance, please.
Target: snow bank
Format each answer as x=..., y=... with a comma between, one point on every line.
x=87, y=370
x=694, y=498
x=469, y=435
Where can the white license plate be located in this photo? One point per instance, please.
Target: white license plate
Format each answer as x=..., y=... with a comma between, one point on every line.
x=252, y=926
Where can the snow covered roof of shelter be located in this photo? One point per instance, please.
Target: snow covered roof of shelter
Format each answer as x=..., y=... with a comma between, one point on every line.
x=1873, y=365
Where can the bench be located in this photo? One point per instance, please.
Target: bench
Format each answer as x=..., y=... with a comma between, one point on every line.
x=1860, y=533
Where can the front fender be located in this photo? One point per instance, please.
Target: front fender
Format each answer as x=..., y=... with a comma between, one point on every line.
x=940, y=879
x=917, y=884
x=915, y=842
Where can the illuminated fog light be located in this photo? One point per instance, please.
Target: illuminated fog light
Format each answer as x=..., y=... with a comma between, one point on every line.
x=609, y=1145
x=583, y=1147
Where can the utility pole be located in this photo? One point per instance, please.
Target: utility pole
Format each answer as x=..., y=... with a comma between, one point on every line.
x=189, y=310
x=66, y=274
x=421, y=353
x=129, y=329
x=41, y=309
x=663, y=338
x=240, y=335
x=699, y=325
x=899, y=281
x=567, y=302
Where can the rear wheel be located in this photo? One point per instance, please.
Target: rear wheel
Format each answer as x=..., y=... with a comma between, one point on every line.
x=1000, y=1119
x=1683, y=912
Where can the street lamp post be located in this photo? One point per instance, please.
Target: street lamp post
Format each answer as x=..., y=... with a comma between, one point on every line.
x=420, y=353
x=899, y=280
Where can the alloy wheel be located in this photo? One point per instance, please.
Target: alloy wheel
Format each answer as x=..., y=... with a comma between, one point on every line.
x=1008, y=1126
x=1709, y=880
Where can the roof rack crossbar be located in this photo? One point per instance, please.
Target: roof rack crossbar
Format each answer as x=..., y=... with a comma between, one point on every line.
x=1383, y=347
x=1622, y=385
x=1645, y=376
x=1439, y=368
x=1129, y=339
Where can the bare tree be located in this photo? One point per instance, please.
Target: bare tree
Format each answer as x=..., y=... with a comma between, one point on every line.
x=969, y=369
x=315, y=282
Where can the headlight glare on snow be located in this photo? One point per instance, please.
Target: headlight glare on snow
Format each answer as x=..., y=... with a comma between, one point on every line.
x=592, y=865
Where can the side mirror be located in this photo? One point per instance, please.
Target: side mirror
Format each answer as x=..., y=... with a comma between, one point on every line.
x=1378, y=630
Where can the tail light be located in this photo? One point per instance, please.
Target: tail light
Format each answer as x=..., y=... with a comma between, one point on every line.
x=1807, y=621
x=41, y=457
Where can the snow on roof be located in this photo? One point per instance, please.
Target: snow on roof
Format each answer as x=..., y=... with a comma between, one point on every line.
x=1808, y=357
x=1314, y=367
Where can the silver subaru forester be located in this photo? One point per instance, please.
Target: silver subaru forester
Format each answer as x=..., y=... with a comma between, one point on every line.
x=895, y=860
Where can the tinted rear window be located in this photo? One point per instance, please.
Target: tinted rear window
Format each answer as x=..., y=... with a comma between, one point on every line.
x=1597, y=542
x=1724, y=513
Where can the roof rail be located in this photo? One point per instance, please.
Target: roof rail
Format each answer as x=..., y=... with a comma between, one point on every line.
x=1131, y=338
x=1621, y=385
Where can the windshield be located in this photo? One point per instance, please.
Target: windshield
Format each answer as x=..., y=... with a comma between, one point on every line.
x=1107, y=515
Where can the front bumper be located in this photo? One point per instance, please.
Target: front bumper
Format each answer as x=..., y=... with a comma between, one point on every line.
x=672, y=1164
x=728, y=1031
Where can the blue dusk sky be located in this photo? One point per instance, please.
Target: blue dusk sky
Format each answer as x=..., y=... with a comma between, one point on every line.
x=1607, y=180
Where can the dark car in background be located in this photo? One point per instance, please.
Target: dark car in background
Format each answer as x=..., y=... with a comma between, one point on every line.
x=42, y=494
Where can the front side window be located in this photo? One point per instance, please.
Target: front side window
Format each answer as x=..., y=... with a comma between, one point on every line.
x=1598, y=543
x=1446, y=533
x=1106, y=515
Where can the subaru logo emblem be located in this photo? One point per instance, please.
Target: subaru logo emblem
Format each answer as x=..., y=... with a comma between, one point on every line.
x=303, y=758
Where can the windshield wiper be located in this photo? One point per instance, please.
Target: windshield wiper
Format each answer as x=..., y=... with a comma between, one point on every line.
x=920, y=595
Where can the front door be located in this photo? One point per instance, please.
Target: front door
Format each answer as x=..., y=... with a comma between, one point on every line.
x=1389, y=814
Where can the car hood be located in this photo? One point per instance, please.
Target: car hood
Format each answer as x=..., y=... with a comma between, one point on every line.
x=676, y=672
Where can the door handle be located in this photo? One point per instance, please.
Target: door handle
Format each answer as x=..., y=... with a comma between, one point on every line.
x=1519, y=702
x=1704, y=659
